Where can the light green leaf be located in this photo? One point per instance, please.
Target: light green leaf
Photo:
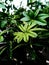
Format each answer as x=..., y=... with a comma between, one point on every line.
x=19, y=39
x=1, y=38
x=13, y=21
x=2, y=6
x=41, y=22
x=43, y=16
x=26, y=37
x=25, y=18
x=32, y=23
x=2, y=32
x=25, y=13
x=33, y=34
x=39, y=29
x=18, y=36
x=21, y=27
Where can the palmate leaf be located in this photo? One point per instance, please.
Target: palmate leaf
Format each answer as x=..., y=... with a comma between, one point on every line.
x=27, y=30
x=24, y=36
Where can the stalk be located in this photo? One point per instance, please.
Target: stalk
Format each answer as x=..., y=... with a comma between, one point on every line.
x=10, y=49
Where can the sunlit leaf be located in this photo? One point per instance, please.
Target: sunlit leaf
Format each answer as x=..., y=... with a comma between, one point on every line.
x=2, y=6
x=25, y=18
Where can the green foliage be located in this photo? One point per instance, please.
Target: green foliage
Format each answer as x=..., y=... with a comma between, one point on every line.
x=24, y=25
x=26, y=31
x=36, y=17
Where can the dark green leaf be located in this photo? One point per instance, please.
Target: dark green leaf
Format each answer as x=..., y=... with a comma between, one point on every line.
x=3, y=23
x=36, y=12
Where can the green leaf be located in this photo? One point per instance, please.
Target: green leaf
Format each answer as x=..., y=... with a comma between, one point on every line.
x=31, y=13
x=13, y=21
x=18, y=36
x=36, y=12
x=25, y=13
x=22, y=28
x=2, y=47
x=39, y=29
x=3, y=23
x=2, y=6
x=2, y=32
x=2, y=50
x=1, y=38
x=32, y=34
x=32, y=23
x=25, y=37
x=19, y=39
x=38, y=44
x=17, y=46
x=43, y=16
x=41, y=22
x=25, y=18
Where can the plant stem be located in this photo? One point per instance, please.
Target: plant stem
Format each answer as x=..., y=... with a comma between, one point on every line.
x=10, y=49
